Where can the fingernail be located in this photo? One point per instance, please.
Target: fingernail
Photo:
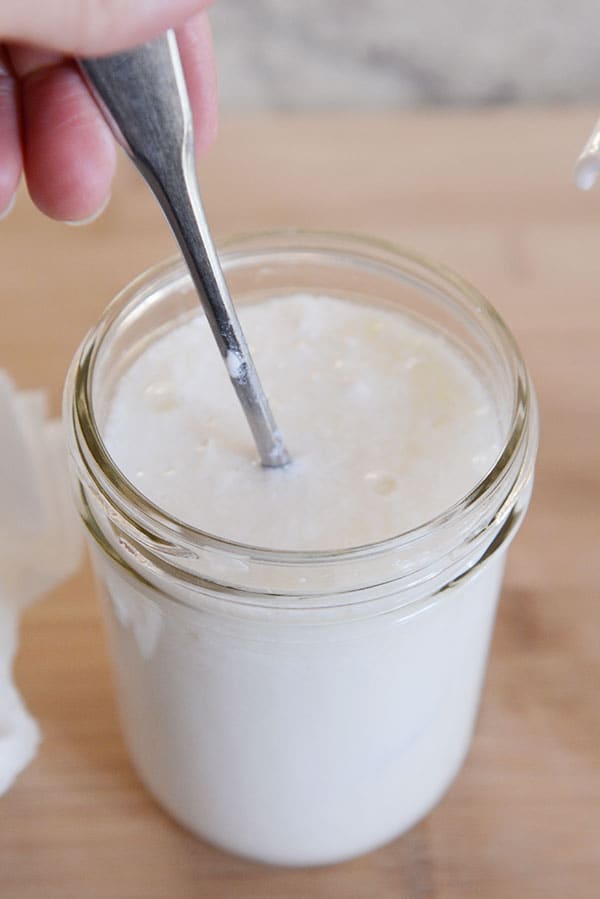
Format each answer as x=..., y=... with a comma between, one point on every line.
x=8, y=209
x=91, y=218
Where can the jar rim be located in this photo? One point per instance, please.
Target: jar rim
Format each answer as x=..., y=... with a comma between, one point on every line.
x=173, y=269
x=506, y=479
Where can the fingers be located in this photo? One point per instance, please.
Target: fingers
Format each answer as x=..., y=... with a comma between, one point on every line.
x=91, y=27
x=197, y=57
x=69, y=152
x=11, y=162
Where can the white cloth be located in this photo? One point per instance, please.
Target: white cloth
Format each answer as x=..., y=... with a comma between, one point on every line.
x=40, y=546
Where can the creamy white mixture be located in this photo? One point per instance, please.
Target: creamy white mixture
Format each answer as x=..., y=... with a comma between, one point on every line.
x=386, y=423
x=301, y=737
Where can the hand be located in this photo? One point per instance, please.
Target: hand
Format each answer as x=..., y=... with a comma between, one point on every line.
x=50, y=127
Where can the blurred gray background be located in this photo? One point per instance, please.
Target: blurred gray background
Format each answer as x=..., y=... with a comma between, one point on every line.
x=298, y=54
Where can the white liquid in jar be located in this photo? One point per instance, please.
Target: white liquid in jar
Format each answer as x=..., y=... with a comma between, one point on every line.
x=306, y=736
x=386, y=422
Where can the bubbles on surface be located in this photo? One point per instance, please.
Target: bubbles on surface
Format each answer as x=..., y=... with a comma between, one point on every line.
x=161, y=396
x=381, y=482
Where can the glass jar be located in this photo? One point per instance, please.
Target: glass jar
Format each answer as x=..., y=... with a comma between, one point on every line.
x=299, y=707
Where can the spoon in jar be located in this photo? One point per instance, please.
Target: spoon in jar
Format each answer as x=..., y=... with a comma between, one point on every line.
x=142, y=93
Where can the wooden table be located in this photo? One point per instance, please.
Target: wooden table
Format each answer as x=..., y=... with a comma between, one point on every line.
x=490, y=194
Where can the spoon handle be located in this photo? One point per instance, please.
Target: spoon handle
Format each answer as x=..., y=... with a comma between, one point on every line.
x=143, y=95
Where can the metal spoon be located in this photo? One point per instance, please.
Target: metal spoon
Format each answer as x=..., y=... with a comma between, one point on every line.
x=143, y=95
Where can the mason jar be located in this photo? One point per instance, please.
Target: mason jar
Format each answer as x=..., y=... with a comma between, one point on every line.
x=299, y=707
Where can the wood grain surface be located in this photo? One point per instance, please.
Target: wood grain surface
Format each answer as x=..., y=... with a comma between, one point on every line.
x=489, y=194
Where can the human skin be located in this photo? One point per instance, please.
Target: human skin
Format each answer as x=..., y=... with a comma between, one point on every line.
x=50, y=128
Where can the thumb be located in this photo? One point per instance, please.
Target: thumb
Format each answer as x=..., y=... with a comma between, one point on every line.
x=91, y=27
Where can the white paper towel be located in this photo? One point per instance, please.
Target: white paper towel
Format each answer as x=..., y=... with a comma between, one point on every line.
x=40, y=546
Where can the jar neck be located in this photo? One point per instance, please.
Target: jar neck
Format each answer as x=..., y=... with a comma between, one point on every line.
x=155, y=546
